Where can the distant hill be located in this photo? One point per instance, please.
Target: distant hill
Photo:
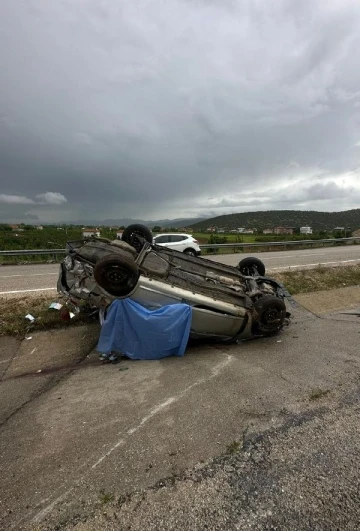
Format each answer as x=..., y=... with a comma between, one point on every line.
x=319, y=221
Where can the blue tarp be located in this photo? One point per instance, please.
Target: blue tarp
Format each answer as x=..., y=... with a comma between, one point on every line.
x=143, y=334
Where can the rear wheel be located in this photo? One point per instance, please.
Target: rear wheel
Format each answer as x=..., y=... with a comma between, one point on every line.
x=251, y=267
x=271, y=315
x=136, y=235
x=118, y=275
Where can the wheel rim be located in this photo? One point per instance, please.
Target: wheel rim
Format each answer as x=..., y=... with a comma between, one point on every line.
x=117, y=276
x=250, y=271
x=271, y=317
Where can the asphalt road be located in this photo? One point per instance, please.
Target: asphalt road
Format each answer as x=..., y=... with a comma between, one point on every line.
x=43, y=277
x=259, y=435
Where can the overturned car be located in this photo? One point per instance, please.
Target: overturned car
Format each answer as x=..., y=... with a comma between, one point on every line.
x=227, y=302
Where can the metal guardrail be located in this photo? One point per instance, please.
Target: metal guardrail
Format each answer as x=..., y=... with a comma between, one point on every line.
x=277, y=243
x=26, y=252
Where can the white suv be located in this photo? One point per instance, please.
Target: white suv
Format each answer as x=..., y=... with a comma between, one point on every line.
x=184, y=243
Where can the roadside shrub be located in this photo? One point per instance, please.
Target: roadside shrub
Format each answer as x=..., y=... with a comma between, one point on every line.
x=216, y=239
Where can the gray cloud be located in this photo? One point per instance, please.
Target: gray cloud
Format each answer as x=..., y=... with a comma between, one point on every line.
x=147, y=109
x=47, y=198
x=15, y=199
x=51, y=198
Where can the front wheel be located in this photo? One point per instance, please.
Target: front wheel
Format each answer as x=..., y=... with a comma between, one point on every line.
x=118, y=275
x=271, y=315
x=190, y=252
x=251, y=267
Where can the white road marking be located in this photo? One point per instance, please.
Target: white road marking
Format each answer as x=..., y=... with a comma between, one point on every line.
x=26, y=276
x=27, y=290
x=292, y=256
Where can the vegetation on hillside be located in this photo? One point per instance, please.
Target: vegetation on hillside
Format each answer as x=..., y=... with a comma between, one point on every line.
x=319, y=221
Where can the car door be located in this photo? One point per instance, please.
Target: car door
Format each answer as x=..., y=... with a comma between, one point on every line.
x=162, y=240
x=177, y=242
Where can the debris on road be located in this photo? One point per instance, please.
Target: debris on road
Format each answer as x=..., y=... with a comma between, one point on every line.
x=30, y=317
x=55, y=306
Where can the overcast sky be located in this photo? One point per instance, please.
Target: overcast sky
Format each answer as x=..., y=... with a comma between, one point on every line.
x=169, y=108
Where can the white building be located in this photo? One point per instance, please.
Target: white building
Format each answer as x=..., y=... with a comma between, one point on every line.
x=306, y=230
x=88, y=233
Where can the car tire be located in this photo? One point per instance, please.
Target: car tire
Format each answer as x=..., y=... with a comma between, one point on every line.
x=251, y=267
x=118, y=275
x=135, y=235
x=190, y=252
x=271, y=315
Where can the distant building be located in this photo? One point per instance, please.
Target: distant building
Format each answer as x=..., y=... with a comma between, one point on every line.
x=211, y=229
x=88, y=233
x=248, y=231
x=284, y=230
x=119, y=234
x=39, y=227
x=268, y=231
x=306, y=230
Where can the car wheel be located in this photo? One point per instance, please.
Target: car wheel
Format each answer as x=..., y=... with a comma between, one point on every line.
x=251, y=267
x=136, y=235
x=118, y=275
x=190, y=252
x=271, y=315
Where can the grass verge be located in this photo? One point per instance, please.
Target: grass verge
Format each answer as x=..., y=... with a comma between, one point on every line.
x=13, y=311
x=319, y=279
